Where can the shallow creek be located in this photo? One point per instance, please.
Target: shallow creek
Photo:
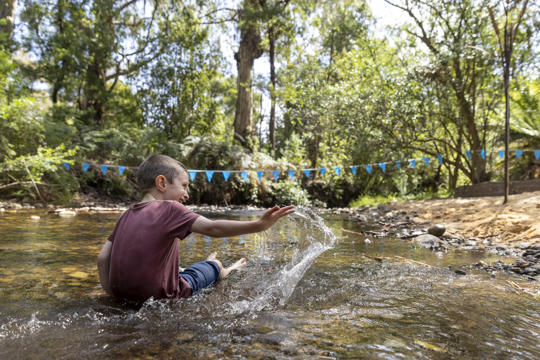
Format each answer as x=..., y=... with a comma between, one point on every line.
x=312, y=288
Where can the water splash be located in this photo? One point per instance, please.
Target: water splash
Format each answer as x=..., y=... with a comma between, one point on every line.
x=307, y=237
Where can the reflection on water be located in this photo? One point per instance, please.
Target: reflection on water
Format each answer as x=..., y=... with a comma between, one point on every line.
x=306, y=292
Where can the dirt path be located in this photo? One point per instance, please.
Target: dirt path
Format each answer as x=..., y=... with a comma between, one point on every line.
x=512, y=224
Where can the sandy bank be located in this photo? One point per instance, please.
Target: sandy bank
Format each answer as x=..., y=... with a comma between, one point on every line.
x=512, y=224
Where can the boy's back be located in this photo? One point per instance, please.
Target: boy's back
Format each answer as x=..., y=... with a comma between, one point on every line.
x=144, y=255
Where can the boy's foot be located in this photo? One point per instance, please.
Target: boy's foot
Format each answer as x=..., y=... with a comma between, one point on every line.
x=212, y=256
x=240, y=264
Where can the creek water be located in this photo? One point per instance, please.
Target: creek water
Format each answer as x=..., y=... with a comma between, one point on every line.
x=309, y=290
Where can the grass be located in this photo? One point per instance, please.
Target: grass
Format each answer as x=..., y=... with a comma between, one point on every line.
x=374, y=200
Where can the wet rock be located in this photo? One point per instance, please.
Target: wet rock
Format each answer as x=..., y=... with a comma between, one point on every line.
x=437, y=230
x=272, y=339
x=460, y=272
x=15, y=206
x=428, y=241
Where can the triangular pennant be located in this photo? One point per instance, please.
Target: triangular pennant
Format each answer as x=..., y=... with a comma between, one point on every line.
x=121, y=170
x=536, y=154
x=307, y=172
x=353, y=169
x=192, y=175
x=104, y=169
x=85, y=167
x=483, y=154
x=412, y=162
x=291, y=174
x=368, y=169
x=275, y=173
x=260, y=174
x=244, y=176
x=519, y=153
x=383, y=167
x=226, y=175
x=501, y=153
x=322, y=170
x=337, y=170
x=67, y=166
x=426, y=160
x=209, y=175
x=468, y=153
x=398, y=164
x=440, y=158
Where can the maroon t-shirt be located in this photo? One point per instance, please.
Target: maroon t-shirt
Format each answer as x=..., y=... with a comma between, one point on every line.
x=144, y=255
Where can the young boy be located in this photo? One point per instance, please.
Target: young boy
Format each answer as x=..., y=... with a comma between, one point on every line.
x=140, y=258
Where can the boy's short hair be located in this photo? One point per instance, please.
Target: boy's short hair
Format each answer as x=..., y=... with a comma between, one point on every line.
x=156, y=165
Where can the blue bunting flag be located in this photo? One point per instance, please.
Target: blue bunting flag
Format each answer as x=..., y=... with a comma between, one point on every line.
x=104, y=169
x=383, y=167
x=536, y=154
x=368, y=169
x=468, y=153
x=398, y=164
x=121, y=169
x=260, y=175
x=226, y=175
x=412, y=162
x=244, y=176
x=483, y=154
x=337, y=170
x=519, y=153
x=353, y=169
x=440, y=159
x=426, y=160
x=322, y=170
x=291, y=174
x=67, y=166
x=501, y=153
x=209, y=175
x=275, y=173
x=192, y=175
x=307, y=172
x=85, y=167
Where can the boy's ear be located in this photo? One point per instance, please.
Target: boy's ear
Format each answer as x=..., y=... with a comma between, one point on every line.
x=160, y=183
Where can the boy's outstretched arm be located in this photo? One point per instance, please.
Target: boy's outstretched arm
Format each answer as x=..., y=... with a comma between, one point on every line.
x=224, y=228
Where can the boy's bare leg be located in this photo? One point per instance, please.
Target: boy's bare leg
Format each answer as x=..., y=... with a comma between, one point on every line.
x=226, y=271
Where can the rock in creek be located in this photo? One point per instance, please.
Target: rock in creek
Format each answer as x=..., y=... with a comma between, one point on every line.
x=428, y=241
x=436, y=230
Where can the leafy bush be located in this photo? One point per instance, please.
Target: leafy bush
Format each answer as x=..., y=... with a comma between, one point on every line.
x=289, y=192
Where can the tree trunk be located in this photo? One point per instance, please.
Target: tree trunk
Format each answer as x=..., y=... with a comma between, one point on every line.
x=272, y=124
x=7, y=18
x=248, y=51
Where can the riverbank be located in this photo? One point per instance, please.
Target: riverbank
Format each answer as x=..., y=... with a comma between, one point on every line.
x=512, y=229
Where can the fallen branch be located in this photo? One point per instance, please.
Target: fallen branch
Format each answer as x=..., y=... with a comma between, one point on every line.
x=350, y=231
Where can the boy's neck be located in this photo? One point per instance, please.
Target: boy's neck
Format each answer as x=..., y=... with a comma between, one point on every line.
x=149, y=197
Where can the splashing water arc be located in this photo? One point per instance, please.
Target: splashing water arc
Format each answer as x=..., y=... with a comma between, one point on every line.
x=308, y=237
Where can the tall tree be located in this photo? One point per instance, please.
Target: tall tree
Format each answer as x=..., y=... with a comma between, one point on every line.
x=506, y=48
x=7, y=17
x=248, y=50
x=85, y=47
x=448, y=30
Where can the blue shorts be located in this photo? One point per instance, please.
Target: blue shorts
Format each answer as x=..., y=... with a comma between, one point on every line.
x=201, y=275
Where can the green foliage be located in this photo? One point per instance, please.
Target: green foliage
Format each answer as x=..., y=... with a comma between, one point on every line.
x=122, y=80
x=289, y=192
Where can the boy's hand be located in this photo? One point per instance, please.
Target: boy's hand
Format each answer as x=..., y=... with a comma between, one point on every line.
x=272, y=215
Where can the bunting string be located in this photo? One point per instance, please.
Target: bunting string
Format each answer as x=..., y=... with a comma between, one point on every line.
x=369, y=168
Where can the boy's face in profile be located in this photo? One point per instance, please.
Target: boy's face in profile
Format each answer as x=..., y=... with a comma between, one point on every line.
x=178, y=190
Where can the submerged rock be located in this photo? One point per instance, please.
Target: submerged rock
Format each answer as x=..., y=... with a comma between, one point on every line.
x=436, y=230
x=428, y=241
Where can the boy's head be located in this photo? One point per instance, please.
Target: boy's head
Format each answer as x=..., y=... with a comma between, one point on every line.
x=165, y=175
